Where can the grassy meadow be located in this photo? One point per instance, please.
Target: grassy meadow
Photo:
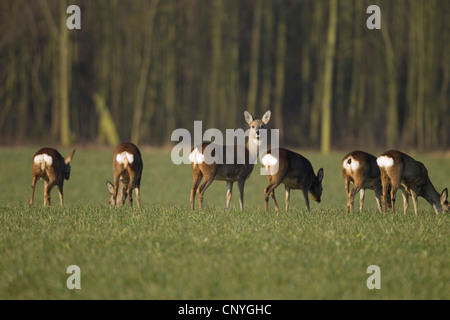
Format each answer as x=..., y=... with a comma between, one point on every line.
x=165, y=251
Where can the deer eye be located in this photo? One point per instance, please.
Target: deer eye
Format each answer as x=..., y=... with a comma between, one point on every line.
x=253, y=127
x=262, y=126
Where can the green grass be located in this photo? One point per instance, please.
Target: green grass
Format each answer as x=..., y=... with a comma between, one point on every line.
x=165, y=251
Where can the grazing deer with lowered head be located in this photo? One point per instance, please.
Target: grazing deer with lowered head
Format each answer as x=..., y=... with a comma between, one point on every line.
x=127, y=170
x=361, y=169
x=205, y=172
x=295, y=172
x=52, y=168
x=398, y=170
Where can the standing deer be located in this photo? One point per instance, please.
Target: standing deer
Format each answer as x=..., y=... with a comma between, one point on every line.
x=361, y=169
x=127, y=170
x=295, y=172
x=205, y=172
x=52, y=168
x=398, y=170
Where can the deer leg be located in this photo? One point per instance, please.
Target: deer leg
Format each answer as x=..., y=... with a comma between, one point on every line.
x=378, y=196
x=130, y=195
x=361, y=200
x=33, y=185
x=277, y=208
x=347, y=185
x=137, y=190
x=347, y=192
x=229, y=192
x=351, y=199
x=45, y=183
x=116, y=188
x=61, y=194
x=138, y=199
x=195, y=183
x=266, y=197
x=305, y=195
x=385, y=188
x=385, y=191
x=241, y=184
x=288, y=197
x=130, y=187
x=48, y=188
x=405, y=200
x=395, y=184
x=414, y=198
x=202, y=188
x=274, y=182
x=394, y=189
x=267, y=192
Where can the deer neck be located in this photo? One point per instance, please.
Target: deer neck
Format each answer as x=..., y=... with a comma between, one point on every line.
x=252, y=146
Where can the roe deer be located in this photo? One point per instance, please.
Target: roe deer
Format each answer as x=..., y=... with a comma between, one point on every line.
x=237, y=171
x=398, y=170
x=127, y=170
x=361, y=169
x=295, y=172
x=52, y=168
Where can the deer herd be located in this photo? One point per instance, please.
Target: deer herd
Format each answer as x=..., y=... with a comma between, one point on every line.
x=384, y=175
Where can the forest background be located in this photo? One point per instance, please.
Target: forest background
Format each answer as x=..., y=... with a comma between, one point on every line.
x=139, y=69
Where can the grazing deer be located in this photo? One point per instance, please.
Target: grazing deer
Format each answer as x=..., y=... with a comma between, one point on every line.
x=398, y=170
x=52, y=168
x=205, y=172
x=295, y=172
x=127, y=170
x=361, y=169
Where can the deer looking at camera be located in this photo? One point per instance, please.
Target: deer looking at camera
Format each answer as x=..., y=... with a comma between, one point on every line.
x=127, y=170
x=52, y=168
x=205, y=171
x=361, y=169
x=295, y=172
x=399, y=170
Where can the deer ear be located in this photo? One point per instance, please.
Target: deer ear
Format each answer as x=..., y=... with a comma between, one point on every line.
x=248, y=117
x=69, y=157
x=110, y=187
x=266, y=117
x=444, y=196
x=320, y=174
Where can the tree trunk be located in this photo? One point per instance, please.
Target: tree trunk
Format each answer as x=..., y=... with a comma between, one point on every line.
x=280, y=69
x=266, y=58
x=392, y=111
x=216, y=57
x=254, y=57
x=143, y=75
x=325, y=144
x=170, y=83
x=64, y=76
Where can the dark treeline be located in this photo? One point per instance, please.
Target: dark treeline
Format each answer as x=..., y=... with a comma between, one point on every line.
x=139, y=69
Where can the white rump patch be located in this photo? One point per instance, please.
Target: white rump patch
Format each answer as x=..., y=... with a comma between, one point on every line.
x=48, y=160
x=270, y=164
x=196, y=157
x=385, y=161
x=269, y=160
x=352, y=166
x=121, y=157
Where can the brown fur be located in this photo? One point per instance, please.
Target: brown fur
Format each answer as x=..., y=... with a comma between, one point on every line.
x=411, y=177
x=52, y=175
x=296, y=172
x=367, y=176
x=127, y=176
x=204, y=174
